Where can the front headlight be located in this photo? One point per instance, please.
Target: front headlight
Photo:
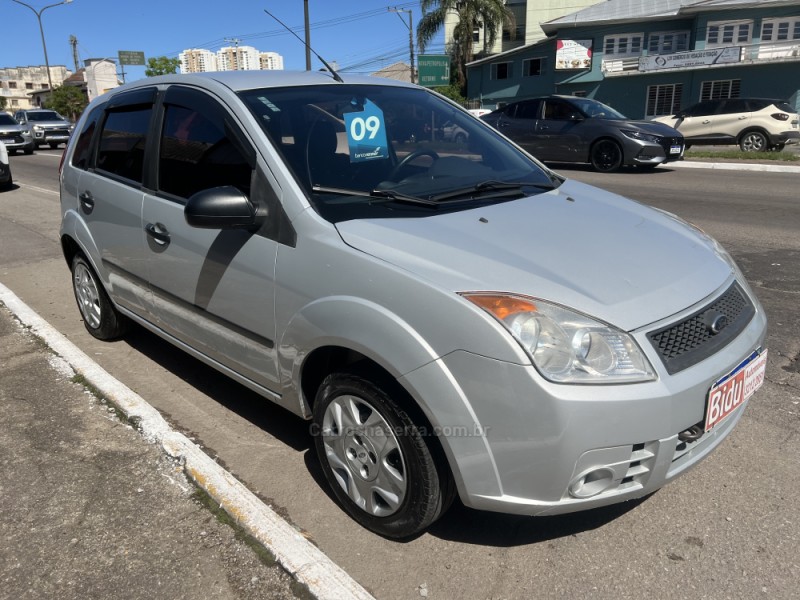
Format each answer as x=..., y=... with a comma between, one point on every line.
x=38, y=128
x=638, y=135
x=566, y=346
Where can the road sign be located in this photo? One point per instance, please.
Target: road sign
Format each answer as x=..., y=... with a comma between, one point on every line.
x=434, y=70
x=131, y=57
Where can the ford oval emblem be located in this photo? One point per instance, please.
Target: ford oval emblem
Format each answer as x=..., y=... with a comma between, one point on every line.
x=718, y=323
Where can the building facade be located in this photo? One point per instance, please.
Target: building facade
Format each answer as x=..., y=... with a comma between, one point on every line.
x=238, y=58
x=652, y=57
x=197, y=60
x=17, y=84
x=100, y=76
x=271, y=61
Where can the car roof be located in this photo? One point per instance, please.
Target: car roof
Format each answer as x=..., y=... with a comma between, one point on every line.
x=238, y=81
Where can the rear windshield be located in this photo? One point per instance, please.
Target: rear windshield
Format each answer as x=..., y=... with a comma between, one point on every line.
x=353, y=146
x=785, y=107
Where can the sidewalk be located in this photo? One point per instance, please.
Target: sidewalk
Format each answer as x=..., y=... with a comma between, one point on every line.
x=89, y=509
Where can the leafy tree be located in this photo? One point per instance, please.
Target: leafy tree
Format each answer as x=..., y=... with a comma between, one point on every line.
x=161, y=65
x=67, y=100
x=491, y=14
x=3, y=103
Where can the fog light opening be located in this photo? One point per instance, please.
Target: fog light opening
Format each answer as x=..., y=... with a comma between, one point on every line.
x=592, y=482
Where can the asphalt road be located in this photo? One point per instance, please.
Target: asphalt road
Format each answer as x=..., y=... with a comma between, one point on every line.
x=728, y=529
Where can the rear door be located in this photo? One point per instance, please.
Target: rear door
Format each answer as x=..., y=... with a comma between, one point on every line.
x=213, y=289
x=110, y=195
x=518, y=122
x=732, y=118
x=558, y=132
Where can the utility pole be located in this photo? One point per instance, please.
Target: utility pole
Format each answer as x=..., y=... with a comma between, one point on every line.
x=308, y=37
x=410, y=36
x=235, y=42
x=73, y=41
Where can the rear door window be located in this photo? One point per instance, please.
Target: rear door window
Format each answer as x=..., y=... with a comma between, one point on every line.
x=122, y=142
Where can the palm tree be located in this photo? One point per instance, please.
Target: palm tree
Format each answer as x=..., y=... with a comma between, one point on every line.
x=491, y=14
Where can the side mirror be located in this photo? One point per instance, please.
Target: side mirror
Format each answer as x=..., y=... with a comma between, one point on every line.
x=220, y=208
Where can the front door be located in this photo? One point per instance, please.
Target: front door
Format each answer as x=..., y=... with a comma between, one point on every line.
x=213, y=289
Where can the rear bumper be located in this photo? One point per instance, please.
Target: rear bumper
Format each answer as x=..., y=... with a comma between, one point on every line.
x=791, y=136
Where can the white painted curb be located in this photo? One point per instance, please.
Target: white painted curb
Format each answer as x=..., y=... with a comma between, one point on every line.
x=688, y=164
x=307, y=563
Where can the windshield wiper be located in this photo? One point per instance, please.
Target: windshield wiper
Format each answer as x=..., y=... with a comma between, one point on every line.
x=490, y=189
x=376, y=195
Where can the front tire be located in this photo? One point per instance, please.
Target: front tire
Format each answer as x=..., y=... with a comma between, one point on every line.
x=753, y=141
x=606, y=156
x=100, y=316
x=380, y=463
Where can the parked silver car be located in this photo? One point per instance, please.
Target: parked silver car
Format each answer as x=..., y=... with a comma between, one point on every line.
x=572, y=129
x=14, y=136
x=452, y=318
x=45, y=126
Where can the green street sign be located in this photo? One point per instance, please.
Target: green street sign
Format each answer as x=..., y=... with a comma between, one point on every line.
x=433, y=70
x=131, y=57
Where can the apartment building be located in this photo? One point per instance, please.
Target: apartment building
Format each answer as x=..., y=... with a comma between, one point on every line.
x=17, y=84
x=271, y=61
x=197, y=60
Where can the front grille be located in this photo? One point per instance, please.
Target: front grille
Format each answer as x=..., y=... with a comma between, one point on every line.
x=684, y=344
x=62, y=131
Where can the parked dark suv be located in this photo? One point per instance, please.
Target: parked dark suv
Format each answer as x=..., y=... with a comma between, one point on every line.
x=572, y=129
x=754, y=124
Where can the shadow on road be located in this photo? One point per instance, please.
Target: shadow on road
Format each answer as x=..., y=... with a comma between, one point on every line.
x=276, y=421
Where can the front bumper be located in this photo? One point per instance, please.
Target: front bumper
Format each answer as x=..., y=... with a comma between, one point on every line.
x=16, y=141
x=640, y=152
x=519, y=444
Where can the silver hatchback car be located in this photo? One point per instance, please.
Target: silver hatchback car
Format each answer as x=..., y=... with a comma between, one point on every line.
x=452, y=318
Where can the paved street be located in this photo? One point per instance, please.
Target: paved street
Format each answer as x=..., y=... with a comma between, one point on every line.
x=728, y=529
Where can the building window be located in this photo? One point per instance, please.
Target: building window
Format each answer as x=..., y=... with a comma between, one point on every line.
x=714, y=90
x=780, y=30
x=476, y=32
x=501, y=71
x=663, y=99
x=12, y=85
x=28, y=86
x=727, y=33
x=668, y=42
x=533, y=67
x=625, y=44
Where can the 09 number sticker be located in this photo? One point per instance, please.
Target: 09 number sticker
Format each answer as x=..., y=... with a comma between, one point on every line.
x=366, y=134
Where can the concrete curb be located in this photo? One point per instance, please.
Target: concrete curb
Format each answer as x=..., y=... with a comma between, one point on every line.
x=727, y=166
x=304, y=561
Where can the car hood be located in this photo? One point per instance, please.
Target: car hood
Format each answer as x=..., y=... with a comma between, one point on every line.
x=11, y=128
x=50, y=124
x=578, y=246
x=650, y=127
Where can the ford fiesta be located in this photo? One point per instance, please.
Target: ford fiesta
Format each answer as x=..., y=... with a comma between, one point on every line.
x=453, y=318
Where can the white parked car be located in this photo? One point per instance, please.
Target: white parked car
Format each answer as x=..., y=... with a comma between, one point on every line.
x=5, y=168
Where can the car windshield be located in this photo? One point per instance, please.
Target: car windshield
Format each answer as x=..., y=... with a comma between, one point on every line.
x=45, y=115
x=6, y=119
x=379, y=151
x=597, y=110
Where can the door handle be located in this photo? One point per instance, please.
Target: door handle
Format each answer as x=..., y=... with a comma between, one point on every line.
x=706, y=122
x=158, y=232
x=87, y=202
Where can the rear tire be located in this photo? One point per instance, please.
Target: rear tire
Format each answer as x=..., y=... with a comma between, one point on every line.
x=606, y=156
x=382, y=465
x=753, y=141
x=100, y=316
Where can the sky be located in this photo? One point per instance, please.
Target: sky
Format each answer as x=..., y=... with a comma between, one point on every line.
x=360, y=36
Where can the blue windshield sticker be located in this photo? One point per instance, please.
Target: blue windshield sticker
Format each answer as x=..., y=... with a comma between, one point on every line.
x=366, y=134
